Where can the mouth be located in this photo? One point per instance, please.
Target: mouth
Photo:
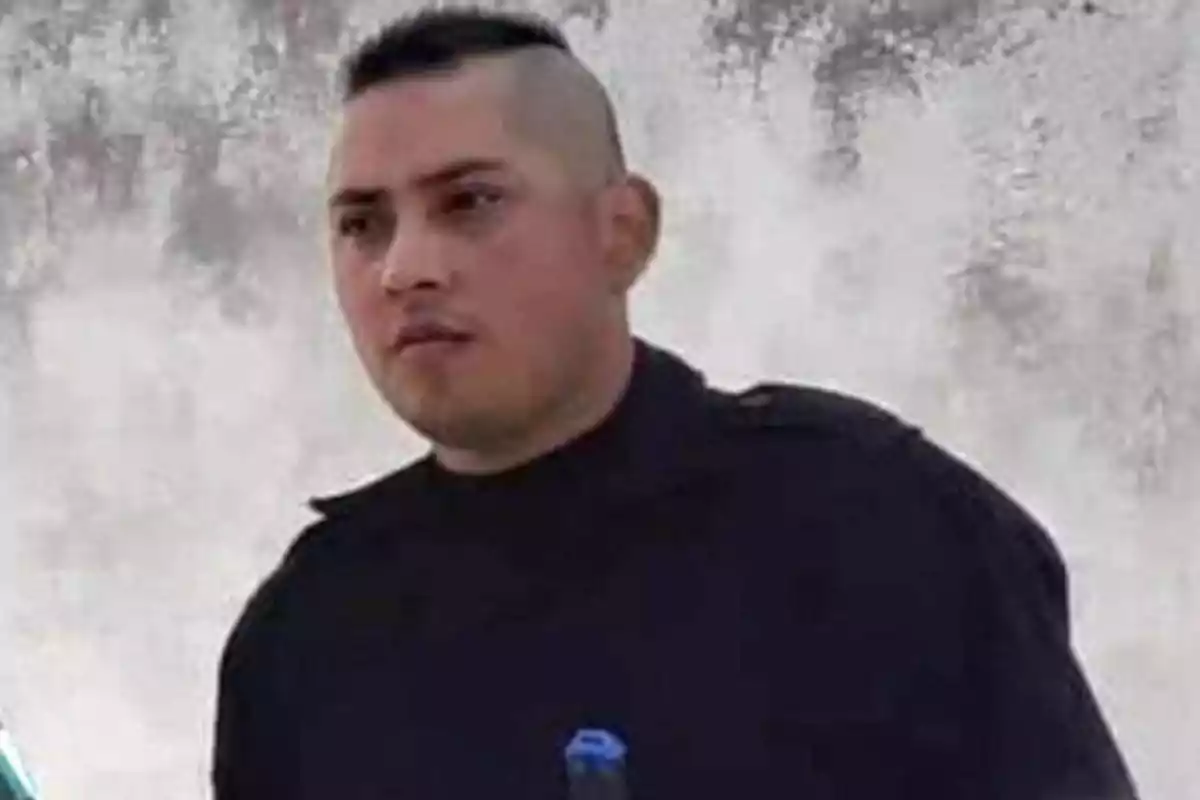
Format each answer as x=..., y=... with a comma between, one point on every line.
x=421, y=336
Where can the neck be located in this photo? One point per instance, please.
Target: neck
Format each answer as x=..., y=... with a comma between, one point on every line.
x=582, y=411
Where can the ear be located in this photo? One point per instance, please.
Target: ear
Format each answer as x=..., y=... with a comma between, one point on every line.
x=633, y=210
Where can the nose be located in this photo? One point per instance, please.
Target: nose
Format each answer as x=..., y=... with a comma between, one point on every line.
x=414, y=260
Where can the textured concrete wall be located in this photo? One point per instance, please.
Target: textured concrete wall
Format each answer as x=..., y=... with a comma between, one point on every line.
x=977, y=213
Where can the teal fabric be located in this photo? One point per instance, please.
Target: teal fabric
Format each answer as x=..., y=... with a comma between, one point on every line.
x=15, y=783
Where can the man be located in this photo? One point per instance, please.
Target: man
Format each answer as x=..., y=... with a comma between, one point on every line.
x=784, y=593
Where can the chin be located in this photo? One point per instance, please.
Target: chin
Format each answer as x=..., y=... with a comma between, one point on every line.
x=436, y=416
x=464, y=429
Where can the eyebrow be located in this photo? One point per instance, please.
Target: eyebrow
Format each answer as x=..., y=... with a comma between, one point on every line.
x=356, y=197
x=365, y=196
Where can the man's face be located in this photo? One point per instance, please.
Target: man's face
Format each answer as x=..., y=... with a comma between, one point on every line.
x=474, y=272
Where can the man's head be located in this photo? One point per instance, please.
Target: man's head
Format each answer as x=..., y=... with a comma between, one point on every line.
x=485, y=232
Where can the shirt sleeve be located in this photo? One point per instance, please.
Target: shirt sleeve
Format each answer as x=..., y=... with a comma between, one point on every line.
x=230, y=760
x=1034, y=728
x=247, y=758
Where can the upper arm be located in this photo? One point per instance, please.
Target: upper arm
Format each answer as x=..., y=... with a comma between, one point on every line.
x=230, y=759
x=1034, y=726
x=1016, y=554
x=953, y=610
x=247, y=744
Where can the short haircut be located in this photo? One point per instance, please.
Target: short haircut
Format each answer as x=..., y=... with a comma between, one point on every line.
x=438, y=40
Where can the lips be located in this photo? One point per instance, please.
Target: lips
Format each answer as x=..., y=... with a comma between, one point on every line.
x=428, y=333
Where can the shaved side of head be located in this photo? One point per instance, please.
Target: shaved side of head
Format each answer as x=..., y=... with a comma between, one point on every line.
x=558, y=103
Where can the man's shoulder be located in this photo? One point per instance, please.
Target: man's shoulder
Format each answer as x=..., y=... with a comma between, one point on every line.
x=795, y=413
x=368, y=494
x=823, y=448
x=343, y=521
x=245, y=643
x=858, y=445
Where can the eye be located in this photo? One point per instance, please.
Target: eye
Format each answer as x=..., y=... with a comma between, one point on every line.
x=472, y=200
x=356, y=224
x=350, y=225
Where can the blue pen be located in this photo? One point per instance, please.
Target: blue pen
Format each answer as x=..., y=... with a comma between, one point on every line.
x=596, y=766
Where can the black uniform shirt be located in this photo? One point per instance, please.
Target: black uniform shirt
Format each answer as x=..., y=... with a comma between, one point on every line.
x=785, y=593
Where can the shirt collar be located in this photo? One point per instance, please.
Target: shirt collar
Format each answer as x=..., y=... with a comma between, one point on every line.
x=650, y=442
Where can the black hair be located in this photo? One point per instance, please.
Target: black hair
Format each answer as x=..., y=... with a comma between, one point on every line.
x=435, y=40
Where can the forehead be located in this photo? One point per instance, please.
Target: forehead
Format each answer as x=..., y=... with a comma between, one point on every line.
x=395, y=132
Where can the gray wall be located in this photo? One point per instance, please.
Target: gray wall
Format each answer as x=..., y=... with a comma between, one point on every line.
x=972, y=212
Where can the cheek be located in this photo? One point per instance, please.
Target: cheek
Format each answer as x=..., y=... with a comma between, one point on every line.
x=543, y=291
x=549, y=264
x=357, y=299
